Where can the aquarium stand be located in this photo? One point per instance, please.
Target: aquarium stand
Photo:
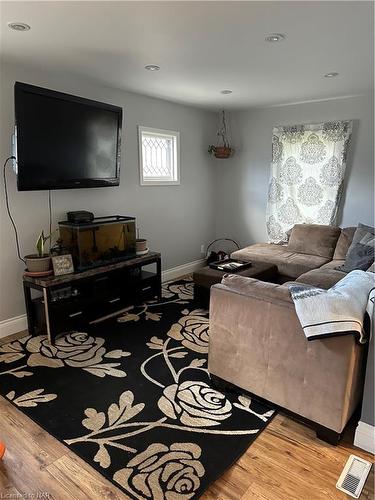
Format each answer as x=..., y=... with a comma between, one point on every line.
x=74, y=301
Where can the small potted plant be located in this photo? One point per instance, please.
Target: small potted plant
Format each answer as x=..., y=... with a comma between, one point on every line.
x=140, y=245
x=223, y=149
x=39, y=262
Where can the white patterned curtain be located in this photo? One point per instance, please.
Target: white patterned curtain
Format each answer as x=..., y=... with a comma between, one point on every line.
x=307, y=172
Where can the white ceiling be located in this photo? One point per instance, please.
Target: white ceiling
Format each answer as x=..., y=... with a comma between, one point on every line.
x=201, y=47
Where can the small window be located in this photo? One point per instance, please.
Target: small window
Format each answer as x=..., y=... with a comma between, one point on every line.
x=159, y=156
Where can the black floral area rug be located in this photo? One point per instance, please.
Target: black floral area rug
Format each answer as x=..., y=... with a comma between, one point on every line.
x=132, y=397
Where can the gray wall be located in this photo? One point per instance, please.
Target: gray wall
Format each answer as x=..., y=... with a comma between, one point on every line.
x=367, y=415
x=241, y=184
x=175, y=219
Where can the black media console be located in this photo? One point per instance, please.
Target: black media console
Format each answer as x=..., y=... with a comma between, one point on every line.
x=73, y=301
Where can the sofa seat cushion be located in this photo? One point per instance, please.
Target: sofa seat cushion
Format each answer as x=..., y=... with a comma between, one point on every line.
x=288, y=263
x=265, y=250
x=321, y=278
x=314, y=239
x=333, y=264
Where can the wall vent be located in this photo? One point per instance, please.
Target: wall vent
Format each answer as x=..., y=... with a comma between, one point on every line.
x=354, y=475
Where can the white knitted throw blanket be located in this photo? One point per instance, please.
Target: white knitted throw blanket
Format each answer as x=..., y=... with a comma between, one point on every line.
x=346, y=308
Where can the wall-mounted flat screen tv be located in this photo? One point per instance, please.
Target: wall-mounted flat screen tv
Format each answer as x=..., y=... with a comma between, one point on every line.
x=64, y=141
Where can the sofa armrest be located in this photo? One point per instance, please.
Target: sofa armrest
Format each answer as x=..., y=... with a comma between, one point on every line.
x=260, y=290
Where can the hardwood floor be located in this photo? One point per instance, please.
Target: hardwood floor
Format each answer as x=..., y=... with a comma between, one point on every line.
x=285, y=462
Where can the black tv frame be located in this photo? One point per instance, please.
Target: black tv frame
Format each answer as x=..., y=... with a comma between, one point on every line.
x=71, y=183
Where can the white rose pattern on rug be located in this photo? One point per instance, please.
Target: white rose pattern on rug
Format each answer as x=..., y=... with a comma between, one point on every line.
x=162, y=472
x=183, y=290
x=192, y=330
x=77, y=349
x=195, y=403
x=32, y=398
x=153, y=441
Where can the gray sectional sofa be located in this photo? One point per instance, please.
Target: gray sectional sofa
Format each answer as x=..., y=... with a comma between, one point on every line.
x=257, y=343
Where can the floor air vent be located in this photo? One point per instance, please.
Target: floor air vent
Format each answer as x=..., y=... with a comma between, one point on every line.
x=354, y=476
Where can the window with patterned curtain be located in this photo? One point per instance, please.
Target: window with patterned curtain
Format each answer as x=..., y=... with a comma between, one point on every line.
x=307, y=173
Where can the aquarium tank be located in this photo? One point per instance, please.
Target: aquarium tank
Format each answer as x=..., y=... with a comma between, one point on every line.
x=102, y=241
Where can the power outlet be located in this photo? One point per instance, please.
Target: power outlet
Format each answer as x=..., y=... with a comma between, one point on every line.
x=202, y=249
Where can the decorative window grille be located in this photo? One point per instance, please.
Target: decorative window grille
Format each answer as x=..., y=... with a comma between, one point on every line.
x=158, y=156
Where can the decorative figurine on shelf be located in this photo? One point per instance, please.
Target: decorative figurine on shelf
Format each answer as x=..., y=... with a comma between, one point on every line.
x=62, y=264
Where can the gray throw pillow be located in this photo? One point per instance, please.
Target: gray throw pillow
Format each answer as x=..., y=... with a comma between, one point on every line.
x=360, y=254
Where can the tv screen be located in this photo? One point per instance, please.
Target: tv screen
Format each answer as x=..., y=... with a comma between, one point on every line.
x=65, y=141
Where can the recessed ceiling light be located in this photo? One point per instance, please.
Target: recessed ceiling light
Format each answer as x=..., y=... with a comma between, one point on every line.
x=152, y=67
x=275, y=37
x=226, y=91
x=331, y=75
x=19, y=26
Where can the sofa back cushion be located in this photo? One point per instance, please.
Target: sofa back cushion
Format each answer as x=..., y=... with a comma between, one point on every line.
x=344, y=242
x=361, y=252
x=314, y=239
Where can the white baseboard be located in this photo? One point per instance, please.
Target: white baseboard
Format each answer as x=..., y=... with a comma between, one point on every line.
x=365, y=437
x=177, y=272
x=13, y=325
x=19, y=323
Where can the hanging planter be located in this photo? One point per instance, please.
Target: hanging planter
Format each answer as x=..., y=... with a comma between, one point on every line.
x=220, y=151
x=223, y=149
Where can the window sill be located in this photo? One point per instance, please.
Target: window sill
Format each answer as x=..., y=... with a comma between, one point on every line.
x=160, y=183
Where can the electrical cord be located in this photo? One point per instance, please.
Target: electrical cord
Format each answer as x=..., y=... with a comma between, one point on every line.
x=50, y=218
x=8, y=208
